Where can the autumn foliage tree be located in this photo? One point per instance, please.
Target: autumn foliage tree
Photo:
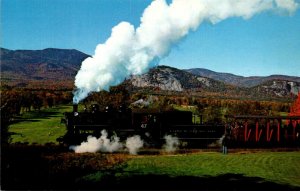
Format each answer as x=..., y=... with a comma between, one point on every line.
x=295, y=108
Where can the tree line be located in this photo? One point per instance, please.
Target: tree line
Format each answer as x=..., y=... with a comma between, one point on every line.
x=211, y=107
x=17, y=101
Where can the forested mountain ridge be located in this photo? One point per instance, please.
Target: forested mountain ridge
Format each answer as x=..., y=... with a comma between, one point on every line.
x=241, y=81
x=165, y=78
x=50, y=63
x=20, y=67
x=56, y=68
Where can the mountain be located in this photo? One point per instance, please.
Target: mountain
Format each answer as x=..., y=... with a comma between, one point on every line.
x=56, y=68
x=166, y=78
x=172, y=79
x=38, y=65
x=240, y=80
x=278, y=88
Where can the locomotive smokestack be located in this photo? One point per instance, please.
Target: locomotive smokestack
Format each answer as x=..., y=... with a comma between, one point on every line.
x=75, y=108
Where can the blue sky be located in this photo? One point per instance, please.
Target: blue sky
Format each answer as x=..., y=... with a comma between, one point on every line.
x=266, y=44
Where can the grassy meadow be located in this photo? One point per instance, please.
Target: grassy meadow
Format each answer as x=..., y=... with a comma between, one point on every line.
x=280, y=170
x=239, y=170
x=39, y=127
x=272, y=166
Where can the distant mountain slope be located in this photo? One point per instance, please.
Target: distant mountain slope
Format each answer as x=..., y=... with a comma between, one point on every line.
x=56, y=68
x=44, y=64
x=240, y=80
x=173, y=79
x=278, y=88
x=166, y=78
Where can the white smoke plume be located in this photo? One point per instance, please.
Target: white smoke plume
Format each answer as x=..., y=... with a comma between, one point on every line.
x=218, y=142
x=134, y=51
x=171, y=144
x=133, y=144
x=103, y=144
x=92, y=145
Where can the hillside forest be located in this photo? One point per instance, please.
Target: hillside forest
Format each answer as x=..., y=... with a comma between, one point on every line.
x=15, y=102
x=34, y=80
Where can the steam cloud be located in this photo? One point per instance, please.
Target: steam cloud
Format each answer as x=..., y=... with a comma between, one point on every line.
x=218, y=142
x=172, y=143
x=134, y=51
x=133, y=144
x=104, y=144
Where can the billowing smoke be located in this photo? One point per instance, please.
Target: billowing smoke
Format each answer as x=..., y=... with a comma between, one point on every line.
x=172, y=143
x=103, y=144
x=218, y=142
x=92, y=145
x=133, y=144
x=133, y=51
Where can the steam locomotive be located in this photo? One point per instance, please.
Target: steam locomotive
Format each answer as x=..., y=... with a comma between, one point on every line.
x=152, y=126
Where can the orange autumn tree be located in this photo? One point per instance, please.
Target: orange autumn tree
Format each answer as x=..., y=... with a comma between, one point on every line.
x=295, y=108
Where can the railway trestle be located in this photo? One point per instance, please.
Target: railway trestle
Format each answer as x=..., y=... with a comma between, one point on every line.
x=264, y=129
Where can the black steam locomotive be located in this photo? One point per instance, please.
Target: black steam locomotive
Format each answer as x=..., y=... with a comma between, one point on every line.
x=152, y=126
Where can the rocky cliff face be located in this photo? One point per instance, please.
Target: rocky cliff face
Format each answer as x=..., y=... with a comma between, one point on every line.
x=162, y=78
x=280, y=88
x=172, y=79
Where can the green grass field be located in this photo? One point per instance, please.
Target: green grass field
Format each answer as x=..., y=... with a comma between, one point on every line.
x=240, y=168
x=272, y=166
x=282, y=168
x=39, y=127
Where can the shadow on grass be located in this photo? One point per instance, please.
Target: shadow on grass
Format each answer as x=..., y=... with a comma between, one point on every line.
x=234, y=182
x=35, y=116
x=26, y=168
